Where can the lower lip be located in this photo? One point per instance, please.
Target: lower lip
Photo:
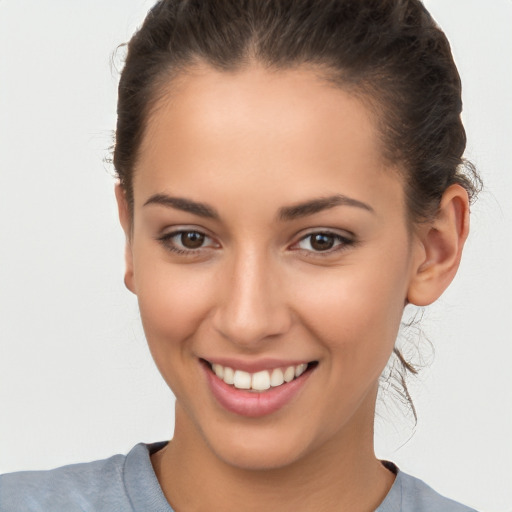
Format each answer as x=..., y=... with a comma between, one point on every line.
x=254, y=404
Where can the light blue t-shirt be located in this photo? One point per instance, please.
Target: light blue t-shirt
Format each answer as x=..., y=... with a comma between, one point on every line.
x=129, y=484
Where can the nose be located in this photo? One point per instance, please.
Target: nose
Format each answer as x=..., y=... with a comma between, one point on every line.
x=251, y=306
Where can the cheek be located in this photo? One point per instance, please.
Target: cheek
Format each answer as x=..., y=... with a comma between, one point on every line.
x=355, y=312
x=173, y=300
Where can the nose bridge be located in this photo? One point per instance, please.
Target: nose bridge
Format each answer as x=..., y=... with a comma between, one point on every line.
x=252, y=307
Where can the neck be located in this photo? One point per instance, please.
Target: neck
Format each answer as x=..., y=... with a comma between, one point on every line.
x=343, y=474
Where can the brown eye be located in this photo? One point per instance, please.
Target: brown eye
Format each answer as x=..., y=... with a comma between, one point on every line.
x=322, y=241
x=192, y=239
x=187, y=242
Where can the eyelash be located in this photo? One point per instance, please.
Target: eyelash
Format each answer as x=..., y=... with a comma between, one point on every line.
x=343, y=243
x=167, y=242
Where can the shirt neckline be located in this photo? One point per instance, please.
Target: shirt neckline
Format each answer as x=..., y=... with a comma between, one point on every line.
x=146, y=495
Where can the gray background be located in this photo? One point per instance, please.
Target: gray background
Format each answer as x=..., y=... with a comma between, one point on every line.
x=76, y=380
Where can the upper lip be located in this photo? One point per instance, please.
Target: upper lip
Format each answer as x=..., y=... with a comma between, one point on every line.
x=253, y=366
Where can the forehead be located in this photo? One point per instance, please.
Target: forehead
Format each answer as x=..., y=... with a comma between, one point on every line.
x=289, y=129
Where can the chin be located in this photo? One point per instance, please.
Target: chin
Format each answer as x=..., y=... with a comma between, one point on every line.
x=253, y=458
x=258, y=449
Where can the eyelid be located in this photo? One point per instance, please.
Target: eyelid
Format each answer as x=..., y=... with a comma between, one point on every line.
x=343, y=233
x=166, y=239
x=346, y=239
x=184, y=228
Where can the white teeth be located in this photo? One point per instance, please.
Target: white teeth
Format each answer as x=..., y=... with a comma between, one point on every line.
x=219, y=370
x=261, y=380
x=229, y=375
x=277, y=378
x=289, y=374
x=242, y=380
x=301, y=368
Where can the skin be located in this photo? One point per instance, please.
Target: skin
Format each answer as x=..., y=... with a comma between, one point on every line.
x=249, y=144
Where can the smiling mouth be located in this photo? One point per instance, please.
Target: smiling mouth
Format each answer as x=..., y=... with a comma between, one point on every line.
x=261, y=381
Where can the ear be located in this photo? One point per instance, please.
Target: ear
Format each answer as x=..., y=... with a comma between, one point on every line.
x=441, y=242
x=126, y=223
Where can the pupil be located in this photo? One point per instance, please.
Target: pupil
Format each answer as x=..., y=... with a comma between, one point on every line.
x=192, y=239
x=322, y=242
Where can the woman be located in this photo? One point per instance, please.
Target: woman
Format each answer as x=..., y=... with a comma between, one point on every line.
x=291, y=176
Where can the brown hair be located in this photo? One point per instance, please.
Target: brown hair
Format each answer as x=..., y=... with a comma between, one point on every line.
x=391, y=53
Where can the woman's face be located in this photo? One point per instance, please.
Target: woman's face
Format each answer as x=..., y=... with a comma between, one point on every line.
x=267, y=235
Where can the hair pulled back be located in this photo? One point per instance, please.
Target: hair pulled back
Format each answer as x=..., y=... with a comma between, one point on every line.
x=390, y=53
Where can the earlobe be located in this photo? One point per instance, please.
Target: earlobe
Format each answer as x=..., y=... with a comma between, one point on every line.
x=126, y=224
x=441, y=241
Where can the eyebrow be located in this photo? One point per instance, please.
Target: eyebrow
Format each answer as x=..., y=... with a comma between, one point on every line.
x=317, y=205
x=186, y=205
x=286, y=213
